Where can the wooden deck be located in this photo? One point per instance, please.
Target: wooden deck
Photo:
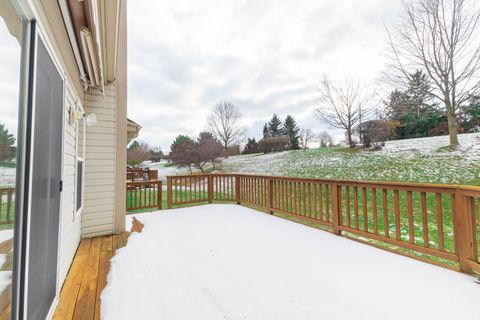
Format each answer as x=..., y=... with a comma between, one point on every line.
x=6, y=294
x=80, y=295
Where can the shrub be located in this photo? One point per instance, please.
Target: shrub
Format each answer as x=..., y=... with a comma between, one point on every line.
x=252, y=146
x=274, y=144
x=374, y=133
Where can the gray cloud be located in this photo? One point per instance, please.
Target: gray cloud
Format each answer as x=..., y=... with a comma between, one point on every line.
x=265, y=56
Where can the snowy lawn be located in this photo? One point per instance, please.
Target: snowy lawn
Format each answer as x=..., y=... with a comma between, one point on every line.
x=424, y=160
x=230, y=262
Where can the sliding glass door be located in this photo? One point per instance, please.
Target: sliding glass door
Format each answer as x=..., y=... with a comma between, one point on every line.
x=46, y=158
x=12, y=28
x=31, y=148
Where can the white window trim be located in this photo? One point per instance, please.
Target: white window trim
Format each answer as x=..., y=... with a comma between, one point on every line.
x=79, y=123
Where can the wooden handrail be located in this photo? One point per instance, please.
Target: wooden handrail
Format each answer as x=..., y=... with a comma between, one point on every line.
x=364, y=209
x=451, y=187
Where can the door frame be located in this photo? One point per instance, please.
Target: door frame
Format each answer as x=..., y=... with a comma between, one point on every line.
x=36, y=35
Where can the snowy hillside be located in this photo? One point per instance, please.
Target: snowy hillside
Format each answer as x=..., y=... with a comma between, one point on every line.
x=414, y=160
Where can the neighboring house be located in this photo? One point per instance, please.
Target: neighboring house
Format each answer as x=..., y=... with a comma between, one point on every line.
x=133, y=130
x=71, y=177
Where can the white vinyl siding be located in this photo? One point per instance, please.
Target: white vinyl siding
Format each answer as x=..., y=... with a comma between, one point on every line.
x=70, y=228
x=99, y=204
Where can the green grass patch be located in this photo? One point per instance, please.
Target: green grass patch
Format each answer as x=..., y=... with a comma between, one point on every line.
x=7, y=164
x=169, y=165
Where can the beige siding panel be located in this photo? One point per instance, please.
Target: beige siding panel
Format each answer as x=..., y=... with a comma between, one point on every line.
x=99, y=195
x=100, y=176
x=100, y=143
x=70, y=228
x=97, y=230
x=98, y=188
x=102, y=111
x=98, y=214
x=99, y=220
x=101, y=149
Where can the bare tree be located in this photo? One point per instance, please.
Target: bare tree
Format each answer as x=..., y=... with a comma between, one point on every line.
x=325, y=139
x=306, y=136
x=343, y=104
x=209, y=149
x=441, y=37
x=225, y=123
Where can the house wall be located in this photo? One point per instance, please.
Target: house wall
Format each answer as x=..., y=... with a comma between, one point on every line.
x=103, y=212
x=99, y=206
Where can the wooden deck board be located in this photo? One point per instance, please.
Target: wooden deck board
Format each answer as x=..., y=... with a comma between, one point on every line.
x=81, y=292
x=85, y=305
x=86, y=279
x=71, y=287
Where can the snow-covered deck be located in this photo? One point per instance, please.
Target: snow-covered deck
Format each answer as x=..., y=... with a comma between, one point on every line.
x=231, y=262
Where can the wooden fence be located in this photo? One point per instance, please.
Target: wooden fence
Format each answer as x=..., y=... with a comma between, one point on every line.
x=144, y=195
x=7, y=205
x=439, y=224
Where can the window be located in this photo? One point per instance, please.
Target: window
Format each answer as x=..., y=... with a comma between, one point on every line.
x=80, y=163
x=79, y=195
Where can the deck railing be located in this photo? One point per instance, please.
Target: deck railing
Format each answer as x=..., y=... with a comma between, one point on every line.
x=7, y=205
x=144, y=195
x=439, y=224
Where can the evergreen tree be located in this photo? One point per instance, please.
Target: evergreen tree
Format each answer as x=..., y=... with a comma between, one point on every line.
x=419, y=93
x=275, y=126
x=6, y=144
x=470, y=115
x=413, y=112
x=266, y=132
x=291, y=129
x=180, y=139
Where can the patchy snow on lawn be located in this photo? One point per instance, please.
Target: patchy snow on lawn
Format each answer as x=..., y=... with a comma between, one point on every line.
x=5, y=280
x=6, y=235
x=255, y=163
x=7, y=177
x=231, y=262
x=469, y=148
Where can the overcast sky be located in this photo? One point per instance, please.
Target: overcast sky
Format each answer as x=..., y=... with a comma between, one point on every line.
x=9, y=79
x=265, y=56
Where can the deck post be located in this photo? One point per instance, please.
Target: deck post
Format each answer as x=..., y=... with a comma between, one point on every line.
x=335, y=209
x=210, y=188
x=462, y=231
x=270, y=195
x=159, y=194
x=237, y=188
x=169, y=192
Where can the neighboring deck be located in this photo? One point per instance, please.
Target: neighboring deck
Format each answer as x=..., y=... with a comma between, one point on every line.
x=80, y=295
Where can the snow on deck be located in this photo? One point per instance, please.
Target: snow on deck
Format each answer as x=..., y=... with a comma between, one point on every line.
x=230, y=262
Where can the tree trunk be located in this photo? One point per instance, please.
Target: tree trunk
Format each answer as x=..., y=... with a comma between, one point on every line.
x=226, y=150
x=349, y=134
x=452, y=124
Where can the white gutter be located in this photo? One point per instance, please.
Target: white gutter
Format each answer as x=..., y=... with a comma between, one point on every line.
x=97, y=26
x=84, y=33
x=73, y=39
